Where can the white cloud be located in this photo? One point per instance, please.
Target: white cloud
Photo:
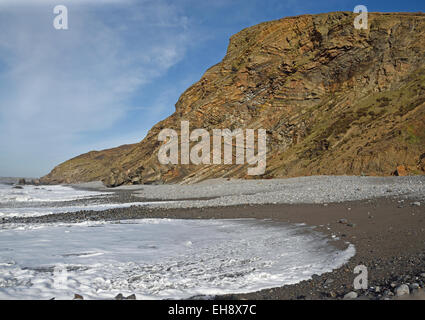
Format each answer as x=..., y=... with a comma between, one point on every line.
x=56, y=85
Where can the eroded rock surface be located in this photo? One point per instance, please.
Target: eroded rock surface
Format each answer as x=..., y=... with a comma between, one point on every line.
x=334, y=100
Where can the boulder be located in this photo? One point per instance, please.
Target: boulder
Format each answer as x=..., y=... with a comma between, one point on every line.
x=402, y=290
x=421, y=162
x=350, y=296
x=400, y=171
x=35, y=182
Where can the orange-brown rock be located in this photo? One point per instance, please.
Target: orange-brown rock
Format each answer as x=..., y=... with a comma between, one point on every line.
x=421, y=163
x=401, y=171
x=334, y=100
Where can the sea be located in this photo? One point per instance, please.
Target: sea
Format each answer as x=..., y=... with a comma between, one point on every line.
x=152, y=258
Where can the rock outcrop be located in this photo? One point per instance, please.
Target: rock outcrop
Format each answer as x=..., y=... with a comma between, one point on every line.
x=334, y=100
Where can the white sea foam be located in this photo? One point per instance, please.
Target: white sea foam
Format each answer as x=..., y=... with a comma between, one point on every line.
x=156, y=258
x=44, y=194
x=153, y=258
x=32, y=201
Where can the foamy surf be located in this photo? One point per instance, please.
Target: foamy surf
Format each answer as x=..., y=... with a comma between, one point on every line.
x=56, y=193
x=37, y=201
x=160, y=259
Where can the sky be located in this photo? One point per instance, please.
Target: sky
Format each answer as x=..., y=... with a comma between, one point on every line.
x=117, y=70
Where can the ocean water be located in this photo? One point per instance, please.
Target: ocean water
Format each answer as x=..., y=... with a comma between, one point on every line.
x=33, y=201
x=156, y=258
x=55, y=193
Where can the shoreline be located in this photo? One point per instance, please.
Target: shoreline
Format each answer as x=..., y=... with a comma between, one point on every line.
x=388, y=232
x=388, y=235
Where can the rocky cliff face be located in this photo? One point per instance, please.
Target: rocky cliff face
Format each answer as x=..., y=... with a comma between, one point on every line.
x=334, y=100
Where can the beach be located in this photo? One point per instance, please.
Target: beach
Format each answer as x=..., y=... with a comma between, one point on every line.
x=383, y=218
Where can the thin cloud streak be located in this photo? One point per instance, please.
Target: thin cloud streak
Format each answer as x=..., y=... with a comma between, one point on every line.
x=57, y=86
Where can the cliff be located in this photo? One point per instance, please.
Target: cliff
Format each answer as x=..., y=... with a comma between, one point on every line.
x=334, y=100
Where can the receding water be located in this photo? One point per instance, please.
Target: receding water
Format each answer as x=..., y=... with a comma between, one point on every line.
x=152, y=258
x=157, y=258
x=34, y=201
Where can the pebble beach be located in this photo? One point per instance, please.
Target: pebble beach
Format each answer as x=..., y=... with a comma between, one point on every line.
x=384, y=218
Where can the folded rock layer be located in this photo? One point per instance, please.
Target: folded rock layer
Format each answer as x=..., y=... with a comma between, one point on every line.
x=334, y=101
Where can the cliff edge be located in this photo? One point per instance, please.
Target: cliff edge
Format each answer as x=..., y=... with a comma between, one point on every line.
x=334, y=100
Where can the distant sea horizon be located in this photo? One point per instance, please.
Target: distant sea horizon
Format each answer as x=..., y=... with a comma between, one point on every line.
x=12, y=180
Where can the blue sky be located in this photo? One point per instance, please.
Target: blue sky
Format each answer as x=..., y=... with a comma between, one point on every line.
x=119, y=68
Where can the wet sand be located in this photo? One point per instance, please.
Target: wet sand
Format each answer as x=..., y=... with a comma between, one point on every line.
x=388, y=234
